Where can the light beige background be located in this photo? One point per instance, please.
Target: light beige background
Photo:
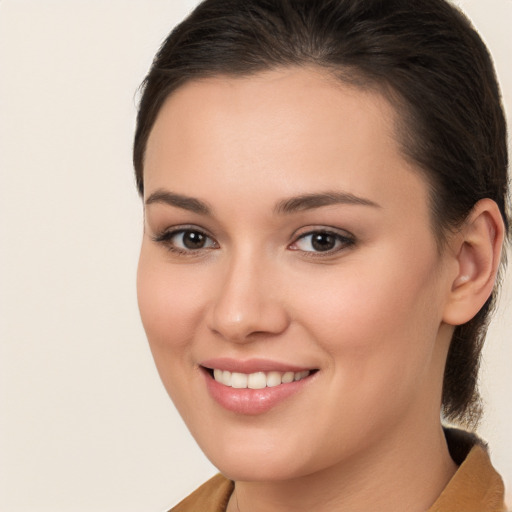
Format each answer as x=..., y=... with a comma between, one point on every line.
x=85, y=424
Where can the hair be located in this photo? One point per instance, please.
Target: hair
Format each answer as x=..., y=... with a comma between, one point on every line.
x=428, y=59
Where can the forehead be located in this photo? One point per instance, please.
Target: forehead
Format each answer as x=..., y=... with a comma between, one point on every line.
x=285, y=131
x=303, y=91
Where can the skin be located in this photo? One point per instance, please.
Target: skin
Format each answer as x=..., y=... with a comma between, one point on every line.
x=373, y=316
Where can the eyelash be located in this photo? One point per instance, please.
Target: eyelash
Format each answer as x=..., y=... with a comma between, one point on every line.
x=165, y=238
x=343, y=242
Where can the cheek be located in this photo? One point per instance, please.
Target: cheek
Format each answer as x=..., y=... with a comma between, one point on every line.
x=168, y=299
x=378, y=329
x=170, y=310
x=379, y=324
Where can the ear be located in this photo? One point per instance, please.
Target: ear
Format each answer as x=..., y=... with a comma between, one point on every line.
x=478, y=255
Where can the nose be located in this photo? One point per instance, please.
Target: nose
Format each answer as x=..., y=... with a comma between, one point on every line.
x=248, y=302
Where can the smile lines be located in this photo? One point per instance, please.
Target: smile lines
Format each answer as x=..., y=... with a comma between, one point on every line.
x=257, y=380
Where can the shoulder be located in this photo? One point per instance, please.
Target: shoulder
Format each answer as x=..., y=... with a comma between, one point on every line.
x=476, y=486
x=212, y=496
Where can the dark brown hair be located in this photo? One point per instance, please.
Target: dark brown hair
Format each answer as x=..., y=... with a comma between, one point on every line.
x=424, y=54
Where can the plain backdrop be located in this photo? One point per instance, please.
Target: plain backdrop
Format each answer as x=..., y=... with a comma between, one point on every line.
x=85, y=424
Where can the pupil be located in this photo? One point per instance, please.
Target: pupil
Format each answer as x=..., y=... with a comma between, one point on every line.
x=323, y=242
x=193, y=240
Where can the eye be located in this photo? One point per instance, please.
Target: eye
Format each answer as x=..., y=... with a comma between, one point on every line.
x=186, y=240
x=322, y=241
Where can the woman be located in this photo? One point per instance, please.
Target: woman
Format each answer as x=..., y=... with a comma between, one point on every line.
x=325, y=193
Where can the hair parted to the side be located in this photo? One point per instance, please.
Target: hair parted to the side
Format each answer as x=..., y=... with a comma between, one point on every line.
x=429, y=60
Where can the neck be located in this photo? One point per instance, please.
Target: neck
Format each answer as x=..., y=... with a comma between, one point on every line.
x=410, y=471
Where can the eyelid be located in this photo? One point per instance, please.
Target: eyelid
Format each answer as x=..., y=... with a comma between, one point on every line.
x=165, y=236
x=344, y=237
x=344, y=240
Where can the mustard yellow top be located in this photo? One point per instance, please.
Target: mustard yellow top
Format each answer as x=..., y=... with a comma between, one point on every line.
x=475, y=487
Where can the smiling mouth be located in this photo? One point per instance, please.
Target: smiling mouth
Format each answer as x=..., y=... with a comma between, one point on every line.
x=257, y=380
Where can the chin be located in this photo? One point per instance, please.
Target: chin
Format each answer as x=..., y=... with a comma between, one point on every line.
x=247, y=470
x=259, y=461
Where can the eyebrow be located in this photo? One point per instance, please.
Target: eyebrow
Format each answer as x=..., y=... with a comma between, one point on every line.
x=317, y=200
x=285, y=206
x=179, y=201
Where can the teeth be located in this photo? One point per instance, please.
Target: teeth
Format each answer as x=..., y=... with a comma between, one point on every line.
x=239, y=380
x=288, y=377
x=258, y=380
x=273, y=379
x=226, y=378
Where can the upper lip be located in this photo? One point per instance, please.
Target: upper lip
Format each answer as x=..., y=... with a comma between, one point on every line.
x=251, y=365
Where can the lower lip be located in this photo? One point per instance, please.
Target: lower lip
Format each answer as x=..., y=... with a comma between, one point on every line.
x=252, y=401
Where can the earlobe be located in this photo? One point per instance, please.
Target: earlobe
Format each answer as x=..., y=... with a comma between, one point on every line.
x=478, y=257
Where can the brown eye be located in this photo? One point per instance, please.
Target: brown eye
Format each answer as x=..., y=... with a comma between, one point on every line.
x=186, y=240
x=322, y=241
x=193, y=239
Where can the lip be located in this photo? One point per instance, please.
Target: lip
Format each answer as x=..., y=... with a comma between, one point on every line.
x=252, y=402
x=251, y=365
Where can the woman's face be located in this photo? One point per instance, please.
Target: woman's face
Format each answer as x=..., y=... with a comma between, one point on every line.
x=287, y=239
